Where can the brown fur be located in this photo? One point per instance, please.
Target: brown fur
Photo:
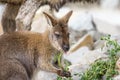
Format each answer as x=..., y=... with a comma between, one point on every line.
x=8, y=17
x=21, y=53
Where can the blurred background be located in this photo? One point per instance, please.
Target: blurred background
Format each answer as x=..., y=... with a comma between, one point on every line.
x=105, y=14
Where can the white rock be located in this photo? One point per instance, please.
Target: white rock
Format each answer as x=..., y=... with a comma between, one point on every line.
x=117, y=77
x=110, y=4
x=84, y=56
x=39, y=23
x=77, y=68
x=42, y=75
x=2, y=8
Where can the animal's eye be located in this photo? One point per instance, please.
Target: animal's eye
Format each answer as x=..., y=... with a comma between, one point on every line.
x=57, y=35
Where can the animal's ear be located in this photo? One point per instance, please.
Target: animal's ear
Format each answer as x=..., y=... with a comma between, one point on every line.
x=50, y=19
x=67, y=17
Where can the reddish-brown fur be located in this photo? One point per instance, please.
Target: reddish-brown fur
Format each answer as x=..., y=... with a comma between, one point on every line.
x=21, y=53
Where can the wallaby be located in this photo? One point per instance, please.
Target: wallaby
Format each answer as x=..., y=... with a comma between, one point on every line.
x=22, y=52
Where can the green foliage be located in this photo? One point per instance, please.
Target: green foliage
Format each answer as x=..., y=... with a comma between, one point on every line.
x=59, y=57
x=105, y=68
x=101, y=68
x=63, y=78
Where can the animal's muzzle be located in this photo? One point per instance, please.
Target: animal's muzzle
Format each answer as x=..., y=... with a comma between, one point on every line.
x=66, y=47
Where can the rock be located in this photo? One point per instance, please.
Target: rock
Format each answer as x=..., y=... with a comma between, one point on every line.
x=43, y=75
x=2, y=8
x=74, y=37
x=84, y=56
x=116, y=77
x=107, y=4
x=99, y=44
x=39, y=23
x=77, y=69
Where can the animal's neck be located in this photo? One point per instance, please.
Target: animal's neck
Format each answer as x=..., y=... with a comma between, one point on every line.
x=47, y=41
x=50, y=41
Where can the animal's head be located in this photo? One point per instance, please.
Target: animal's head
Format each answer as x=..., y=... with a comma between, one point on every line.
x=59, y=31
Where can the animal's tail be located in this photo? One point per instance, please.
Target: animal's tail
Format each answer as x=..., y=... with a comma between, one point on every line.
x=8, y=18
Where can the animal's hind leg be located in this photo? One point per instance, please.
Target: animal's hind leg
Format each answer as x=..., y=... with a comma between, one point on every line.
x=18, y=72
x=11, y=69
x=18, y=76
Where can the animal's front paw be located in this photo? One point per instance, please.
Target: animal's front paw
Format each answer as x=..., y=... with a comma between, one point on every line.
x=64, y=73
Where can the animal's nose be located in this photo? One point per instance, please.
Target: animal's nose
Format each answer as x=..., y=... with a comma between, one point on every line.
x=66, y=47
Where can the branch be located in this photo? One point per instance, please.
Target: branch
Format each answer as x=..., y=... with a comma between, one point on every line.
x=26, y=14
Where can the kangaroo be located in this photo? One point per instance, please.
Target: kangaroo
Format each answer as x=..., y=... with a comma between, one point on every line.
x=23, y=52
